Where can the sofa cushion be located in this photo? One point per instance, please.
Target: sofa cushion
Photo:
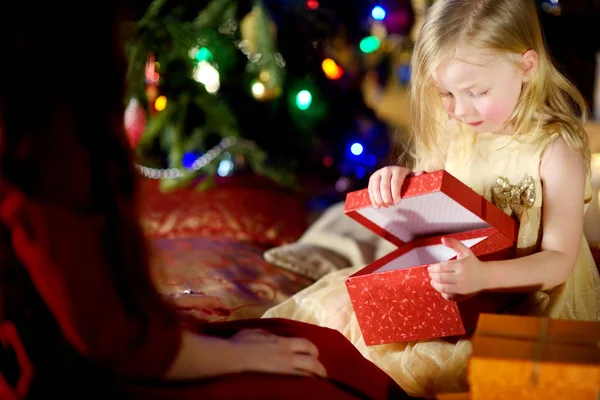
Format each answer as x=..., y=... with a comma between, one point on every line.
x=246, y=208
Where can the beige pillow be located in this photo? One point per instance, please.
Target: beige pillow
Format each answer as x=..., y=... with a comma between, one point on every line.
x=306, y=259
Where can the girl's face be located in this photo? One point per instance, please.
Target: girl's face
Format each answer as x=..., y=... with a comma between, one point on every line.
x=480, y=89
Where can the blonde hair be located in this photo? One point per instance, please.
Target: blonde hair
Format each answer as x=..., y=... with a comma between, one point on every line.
x=548, y=102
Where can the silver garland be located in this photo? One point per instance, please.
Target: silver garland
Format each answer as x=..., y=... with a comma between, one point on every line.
x=198, y=164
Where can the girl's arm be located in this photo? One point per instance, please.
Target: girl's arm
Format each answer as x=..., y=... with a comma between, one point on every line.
x=563, y=175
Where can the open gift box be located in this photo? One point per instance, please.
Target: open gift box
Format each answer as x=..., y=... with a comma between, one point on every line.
x=523, y=357
x=453, y=396
x=392, y=297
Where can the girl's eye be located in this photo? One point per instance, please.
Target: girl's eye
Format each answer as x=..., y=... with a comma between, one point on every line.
x=444, y=94
x=479, y=94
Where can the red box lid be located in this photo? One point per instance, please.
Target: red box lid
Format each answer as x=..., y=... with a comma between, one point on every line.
x=432, y=204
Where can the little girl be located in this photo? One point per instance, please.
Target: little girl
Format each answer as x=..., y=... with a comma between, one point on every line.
x=489, y=107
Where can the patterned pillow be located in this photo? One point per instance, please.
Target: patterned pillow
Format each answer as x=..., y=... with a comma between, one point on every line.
x=306, y=259
x=247, y=209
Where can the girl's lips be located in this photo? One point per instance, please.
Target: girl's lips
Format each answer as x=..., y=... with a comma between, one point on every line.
x=475, y=123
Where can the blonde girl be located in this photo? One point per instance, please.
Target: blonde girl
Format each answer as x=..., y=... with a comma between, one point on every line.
x=489, y=107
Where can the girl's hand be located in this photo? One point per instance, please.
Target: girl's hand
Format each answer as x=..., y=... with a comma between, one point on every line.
x=262, y=351
x=385, y=185
x=458, y=279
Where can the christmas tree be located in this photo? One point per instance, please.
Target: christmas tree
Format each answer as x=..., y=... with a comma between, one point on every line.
x=274, y=86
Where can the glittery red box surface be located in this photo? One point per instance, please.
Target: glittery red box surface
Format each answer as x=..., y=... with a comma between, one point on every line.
x=392, y=297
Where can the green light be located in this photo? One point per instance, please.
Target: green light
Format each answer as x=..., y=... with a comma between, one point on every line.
x=303, y=99
x=369, y=44
x=203, y=54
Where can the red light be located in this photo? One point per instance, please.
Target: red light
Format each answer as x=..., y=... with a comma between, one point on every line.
x=327, y=161
x=312, y=4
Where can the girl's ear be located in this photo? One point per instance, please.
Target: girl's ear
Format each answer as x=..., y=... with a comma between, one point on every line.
x=529, y=65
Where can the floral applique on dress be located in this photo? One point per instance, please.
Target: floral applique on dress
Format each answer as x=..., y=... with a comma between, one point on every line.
x=516, y=198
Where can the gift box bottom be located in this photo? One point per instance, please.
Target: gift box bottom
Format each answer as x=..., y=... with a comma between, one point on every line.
x=526, y=357
x=514, y=381
x=395, y=302
x=507, y=393
x=454, y=396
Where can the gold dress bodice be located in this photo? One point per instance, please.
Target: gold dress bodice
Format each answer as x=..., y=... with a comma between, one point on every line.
x=507, y=173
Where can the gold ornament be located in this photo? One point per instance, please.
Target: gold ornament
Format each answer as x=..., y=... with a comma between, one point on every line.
x=263, y=92
x=264, y=75
x=379, y=30
x=151, y=93
x=249, y=28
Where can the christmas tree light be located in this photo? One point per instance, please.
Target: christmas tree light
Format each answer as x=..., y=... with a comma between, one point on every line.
x=369, y=44
x=356, y=149
x=203, y=54
x=303, y=99
x=331, y=69
x=378, y=13
x=160, y=103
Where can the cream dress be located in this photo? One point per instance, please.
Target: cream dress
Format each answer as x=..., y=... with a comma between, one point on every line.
x=505, y=172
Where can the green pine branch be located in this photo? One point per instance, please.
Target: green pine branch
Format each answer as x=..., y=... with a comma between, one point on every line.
x=164, y=32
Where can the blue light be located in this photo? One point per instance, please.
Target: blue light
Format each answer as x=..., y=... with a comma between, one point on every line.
x=378, y=13
x=356, y=149
x=404, y=74
x=188, y=159
x=360, y=172
x=370, y=160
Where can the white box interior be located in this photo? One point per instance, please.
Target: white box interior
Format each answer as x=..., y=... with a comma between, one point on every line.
x=425, y=255
x=430, y=214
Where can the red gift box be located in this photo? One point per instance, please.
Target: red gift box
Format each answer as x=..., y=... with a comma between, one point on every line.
x=392, y=297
